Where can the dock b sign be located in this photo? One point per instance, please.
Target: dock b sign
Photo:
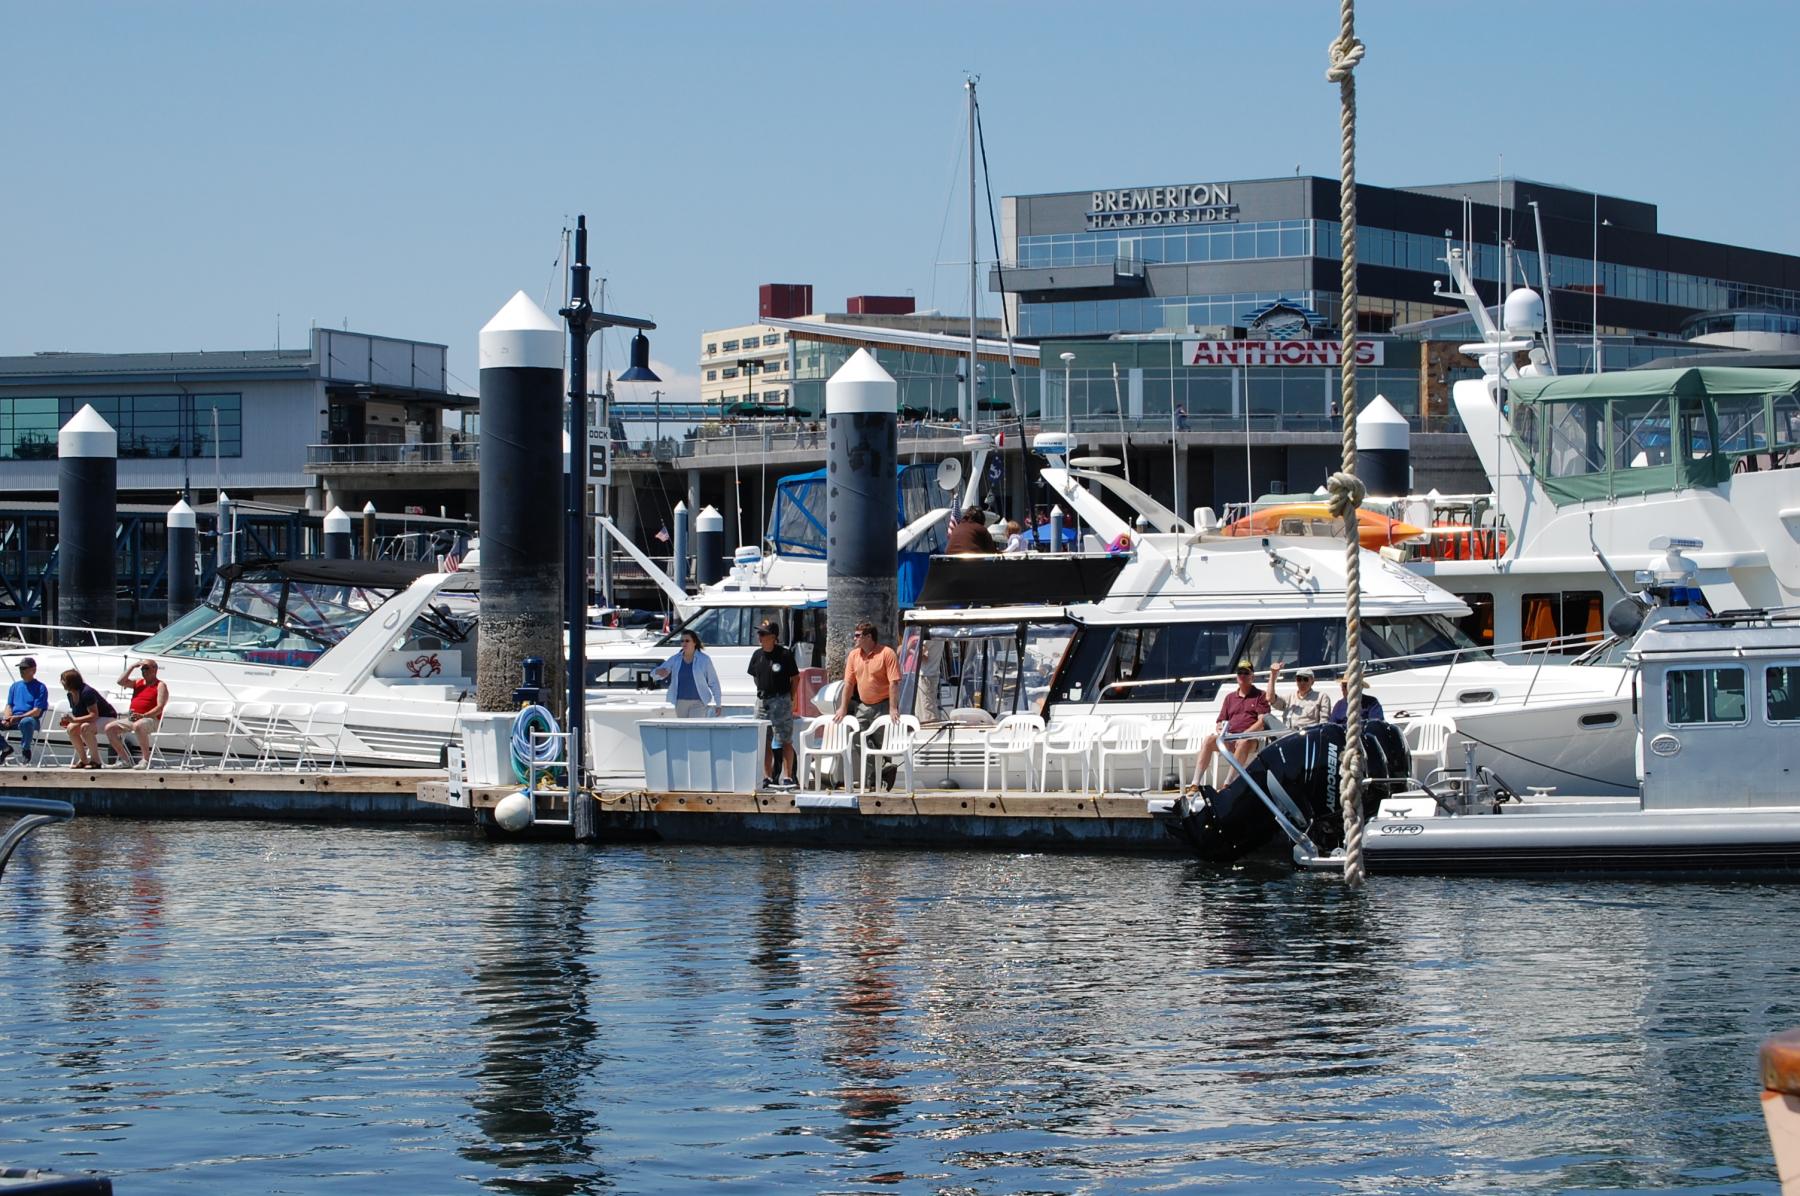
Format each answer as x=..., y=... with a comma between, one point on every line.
x=599, y=448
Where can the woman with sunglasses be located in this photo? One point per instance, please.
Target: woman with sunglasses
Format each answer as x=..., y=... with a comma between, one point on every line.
x=693, y=681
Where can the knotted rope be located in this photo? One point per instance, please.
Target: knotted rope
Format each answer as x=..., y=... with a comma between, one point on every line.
x=1346, y=490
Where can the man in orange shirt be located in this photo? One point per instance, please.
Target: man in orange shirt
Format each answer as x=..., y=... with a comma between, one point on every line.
x=871, y=676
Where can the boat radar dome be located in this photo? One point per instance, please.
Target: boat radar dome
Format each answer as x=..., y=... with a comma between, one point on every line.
x=1523, y=313
x=1052, y=444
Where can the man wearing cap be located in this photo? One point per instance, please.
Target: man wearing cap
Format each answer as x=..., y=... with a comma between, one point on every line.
x=1242, y=711
x=26, y=703
x=777, y=677
x=1307, y=708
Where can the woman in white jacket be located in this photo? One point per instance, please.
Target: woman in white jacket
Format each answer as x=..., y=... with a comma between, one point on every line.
x=693, y=682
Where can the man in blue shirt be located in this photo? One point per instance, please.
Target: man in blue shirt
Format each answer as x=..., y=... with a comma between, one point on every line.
x=26, y=703
x=1371, y=708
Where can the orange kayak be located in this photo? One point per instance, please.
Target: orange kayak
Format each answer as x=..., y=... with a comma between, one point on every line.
x=1314, y=519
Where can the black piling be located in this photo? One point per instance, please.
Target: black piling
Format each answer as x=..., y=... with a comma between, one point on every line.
x=709, y=546
x=87, y=480
x=521, y=507
x=861, y=504
x=337, y=535
x=1384, y=449
x=181, y=560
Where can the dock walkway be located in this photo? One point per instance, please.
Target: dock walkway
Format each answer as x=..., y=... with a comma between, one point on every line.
x=372, y=795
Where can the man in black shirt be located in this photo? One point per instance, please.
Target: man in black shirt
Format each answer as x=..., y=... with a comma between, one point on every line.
x=777, y=677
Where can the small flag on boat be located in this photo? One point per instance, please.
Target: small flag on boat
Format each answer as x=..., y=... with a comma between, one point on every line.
x=453, y=558
x=662, y=535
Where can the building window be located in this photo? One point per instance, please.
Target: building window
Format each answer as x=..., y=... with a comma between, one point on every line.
x=712, y=347
x=712, y=375
x=772, y=338
x=177, y=425
x=729, y=371
x=731, y=346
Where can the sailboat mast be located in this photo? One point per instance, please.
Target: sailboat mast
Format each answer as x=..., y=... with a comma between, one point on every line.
x=969, y=390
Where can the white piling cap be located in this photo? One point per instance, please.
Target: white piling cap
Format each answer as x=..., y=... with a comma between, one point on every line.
x=369, y=507
x=709, y=520
x=87, y=435
x=180, y=515
x=861, y=386
x=1380, y=426
x=681, y=507
x=337, y=521
x=521, y=336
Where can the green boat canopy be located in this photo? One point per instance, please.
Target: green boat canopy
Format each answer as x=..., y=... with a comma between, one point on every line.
x=1595, y=436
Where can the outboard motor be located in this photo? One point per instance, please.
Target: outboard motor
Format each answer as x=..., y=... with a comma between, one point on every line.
x=1233, y=822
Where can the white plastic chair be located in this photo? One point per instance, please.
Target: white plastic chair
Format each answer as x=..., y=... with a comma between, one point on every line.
x=1015, y=736
x=175, y=730
x=1180, y=744
x=1427, y=737
x=1066, y=742
x=1127, y=738
x=834, y=739
x=249, y=726
x=50, y=733
x=285, y=739
x=323, y=745
x=899, y=735
x=219, y=714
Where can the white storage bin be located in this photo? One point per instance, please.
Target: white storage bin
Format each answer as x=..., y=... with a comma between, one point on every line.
x=487, y=747
x=703, y=755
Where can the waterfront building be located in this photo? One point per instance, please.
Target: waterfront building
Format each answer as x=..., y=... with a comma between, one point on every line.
x=1202, y=257
x=351, y=417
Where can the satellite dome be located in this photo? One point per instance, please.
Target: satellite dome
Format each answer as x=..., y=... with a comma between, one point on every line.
x=1523, y=313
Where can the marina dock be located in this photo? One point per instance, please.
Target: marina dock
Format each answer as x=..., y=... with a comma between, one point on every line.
x=946, y=818
x=375, y=795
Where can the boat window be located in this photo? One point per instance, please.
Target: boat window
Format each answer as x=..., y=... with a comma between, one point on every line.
x=1640, y=433
x=1569, y=622
x=623, y=674
x=1785, y=408
x=1478, y=624
x=1423, y=640
x=1294, y=642
x=1105, y=656
x=1741, y=426
x=1698, y=696
x=1782, y=684
x=1002, y=668
x=725, y=626
x=1574, y=441
x=267, y=620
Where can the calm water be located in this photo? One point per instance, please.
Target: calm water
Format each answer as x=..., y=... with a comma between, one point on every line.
x=282, y=1009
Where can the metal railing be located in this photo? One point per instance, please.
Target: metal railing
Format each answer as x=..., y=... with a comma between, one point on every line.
x=464, y=452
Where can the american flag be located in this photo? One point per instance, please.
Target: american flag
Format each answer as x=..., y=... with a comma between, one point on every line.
x=662, y=535
x=453, y=558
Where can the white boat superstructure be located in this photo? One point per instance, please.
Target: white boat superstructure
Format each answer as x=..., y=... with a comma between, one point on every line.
x=384, y=649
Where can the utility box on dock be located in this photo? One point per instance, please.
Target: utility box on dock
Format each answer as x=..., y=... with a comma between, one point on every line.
x=487, y=747
x=703, y=755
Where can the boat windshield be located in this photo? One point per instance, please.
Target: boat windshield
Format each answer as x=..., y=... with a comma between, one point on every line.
x=999, y=668
x=1175, y=662
x=267, y=619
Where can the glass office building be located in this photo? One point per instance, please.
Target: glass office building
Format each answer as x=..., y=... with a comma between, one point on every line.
x=1192, y=257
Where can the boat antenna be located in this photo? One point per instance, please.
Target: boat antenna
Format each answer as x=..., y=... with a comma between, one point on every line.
x=974, y=266
x=1012, y=363
x=1543, y=257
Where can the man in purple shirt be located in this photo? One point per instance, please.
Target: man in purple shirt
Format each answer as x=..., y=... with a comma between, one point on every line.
x=1243, y=710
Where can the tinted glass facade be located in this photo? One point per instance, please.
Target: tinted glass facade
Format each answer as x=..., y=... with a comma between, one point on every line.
x=191, y=425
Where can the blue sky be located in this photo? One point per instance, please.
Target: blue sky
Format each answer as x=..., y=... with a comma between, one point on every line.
x=180, y=173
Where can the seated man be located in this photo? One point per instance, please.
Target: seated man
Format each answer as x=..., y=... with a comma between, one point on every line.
x=149, y=697
x=1242, y=710
x=1307, y=708
x=1371, y=708
x=26, y=704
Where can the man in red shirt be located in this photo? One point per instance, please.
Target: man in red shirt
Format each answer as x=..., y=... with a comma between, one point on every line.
x=1242, y=710
x=149, y=696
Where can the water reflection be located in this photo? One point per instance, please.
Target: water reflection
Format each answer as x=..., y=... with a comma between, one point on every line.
x=529, y=989
x=276, y=1008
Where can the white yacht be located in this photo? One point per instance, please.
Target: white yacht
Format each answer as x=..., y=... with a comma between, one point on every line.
x=396, y=645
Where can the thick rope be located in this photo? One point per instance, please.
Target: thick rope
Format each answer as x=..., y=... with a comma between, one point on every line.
x=1346, y=491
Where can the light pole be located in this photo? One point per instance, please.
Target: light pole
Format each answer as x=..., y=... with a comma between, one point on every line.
x=583, y=321
x=1068, y=360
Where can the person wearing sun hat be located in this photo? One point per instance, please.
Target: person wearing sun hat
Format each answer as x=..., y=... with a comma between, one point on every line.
x=1308, y=707
x=1242, y=710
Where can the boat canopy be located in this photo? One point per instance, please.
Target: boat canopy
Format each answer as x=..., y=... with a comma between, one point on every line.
x=1595, y=436
x=797, y=523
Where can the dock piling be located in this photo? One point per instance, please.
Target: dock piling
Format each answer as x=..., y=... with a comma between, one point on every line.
x=862, y=403
x=181, y=560
x=87, y=482
x=337, y=535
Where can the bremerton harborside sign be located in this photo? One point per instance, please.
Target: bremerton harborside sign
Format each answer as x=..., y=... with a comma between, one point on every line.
x=1145, y=207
